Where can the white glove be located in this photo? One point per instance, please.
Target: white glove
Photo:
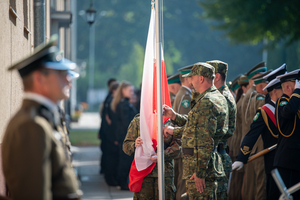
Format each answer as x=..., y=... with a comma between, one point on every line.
x=237, y=165
x=297, y=85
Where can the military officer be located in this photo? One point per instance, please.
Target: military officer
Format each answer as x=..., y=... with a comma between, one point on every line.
x=182, y=105
x=221, y=69
x=237, y=177
x=247, y=120
x=201, y=131
x=34, y=159
x=264, y=126
x=174, y=85
x=149, y=188
x=288, y=123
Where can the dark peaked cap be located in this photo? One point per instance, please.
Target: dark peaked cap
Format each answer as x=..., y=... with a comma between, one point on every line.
x=291, y=76
x=277, y=72
x=174, y=78
x=274, y=84
x=260, y=67
x=45, y=55
x=186, y=69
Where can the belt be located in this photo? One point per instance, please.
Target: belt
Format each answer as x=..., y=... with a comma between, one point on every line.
x=188, y=151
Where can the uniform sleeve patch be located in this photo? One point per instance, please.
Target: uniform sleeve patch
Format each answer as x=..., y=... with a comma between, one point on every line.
x=256, y=116
x=283, y=103
x=185, y=103
x=260, y=98
x=245, y=150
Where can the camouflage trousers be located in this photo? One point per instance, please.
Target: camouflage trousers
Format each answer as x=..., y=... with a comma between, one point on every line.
x=149, y=190
x=210, y=191
x=223, y=181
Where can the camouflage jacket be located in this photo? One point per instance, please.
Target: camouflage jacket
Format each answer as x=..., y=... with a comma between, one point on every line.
x=172, y=149
x=202, y=130
x=224, y=90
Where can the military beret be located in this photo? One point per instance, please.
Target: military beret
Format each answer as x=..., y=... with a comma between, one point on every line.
x=45, y=55
x=174, y=78
x=277, y=72
x=243, y=80
x=260, y=78
x=186, y=69
x=256, y=69
x=202, y=69
x=291, y=76
x=274, y=84
x=220, y=67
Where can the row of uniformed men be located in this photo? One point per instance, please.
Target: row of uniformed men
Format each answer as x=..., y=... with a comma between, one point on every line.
x=267, y=114
x=194, y=106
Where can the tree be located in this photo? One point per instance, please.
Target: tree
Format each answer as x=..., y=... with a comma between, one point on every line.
x=252, y=21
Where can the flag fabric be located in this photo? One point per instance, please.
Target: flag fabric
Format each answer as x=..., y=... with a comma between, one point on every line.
x=142, y=165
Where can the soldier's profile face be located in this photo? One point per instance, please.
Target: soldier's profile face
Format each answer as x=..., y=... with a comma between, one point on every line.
x=195, y=80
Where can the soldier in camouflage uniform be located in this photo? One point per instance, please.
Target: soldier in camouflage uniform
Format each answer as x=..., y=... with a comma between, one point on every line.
x=174, y=86
x=200, y=132
x=221, y=69
x=149, y=190
x=182, y=105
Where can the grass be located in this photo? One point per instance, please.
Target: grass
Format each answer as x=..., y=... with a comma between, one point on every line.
x=84, y=138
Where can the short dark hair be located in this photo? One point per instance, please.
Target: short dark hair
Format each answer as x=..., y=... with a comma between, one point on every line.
x=223, y=76
x=111, y=80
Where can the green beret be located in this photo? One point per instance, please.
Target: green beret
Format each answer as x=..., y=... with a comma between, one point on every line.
x=260, y=67
x=202, y=69
x=220, y=67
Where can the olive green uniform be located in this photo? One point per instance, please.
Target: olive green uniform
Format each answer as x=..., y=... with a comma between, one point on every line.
x=34, y=158
x=149, y=190
x=182, y=105
x=172, y=97
x=201, y=132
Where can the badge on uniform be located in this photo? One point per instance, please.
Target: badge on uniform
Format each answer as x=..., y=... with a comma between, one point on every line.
x=283, y=103
x=256, y=116
x=185, y=103
x=260, y=98
x=245, y=150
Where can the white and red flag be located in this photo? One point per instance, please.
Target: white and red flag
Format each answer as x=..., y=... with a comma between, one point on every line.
x=142, y=165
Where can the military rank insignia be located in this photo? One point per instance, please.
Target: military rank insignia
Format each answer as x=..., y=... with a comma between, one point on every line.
x=245, y=150
x=283, y=103
x=256, y=116
x=185, y=103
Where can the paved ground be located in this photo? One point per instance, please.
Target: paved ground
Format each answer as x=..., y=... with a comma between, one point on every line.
x=86, y=163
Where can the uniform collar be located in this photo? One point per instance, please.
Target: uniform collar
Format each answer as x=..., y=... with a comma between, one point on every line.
x=223, y=87
x=212, y=88
x=52, y=107
x=189, y=89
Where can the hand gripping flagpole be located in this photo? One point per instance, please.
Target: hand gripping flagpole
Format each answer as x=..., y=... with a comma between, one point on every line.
x=160, y=149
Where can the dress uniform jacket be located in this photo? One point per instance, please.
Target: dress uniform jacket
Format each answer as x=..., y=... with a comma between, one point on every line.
x=34, y=159
x=171, y=150
x=182, y=102
x=201, y=132
x=247, y=119
x=288, y=120
x=182, y=105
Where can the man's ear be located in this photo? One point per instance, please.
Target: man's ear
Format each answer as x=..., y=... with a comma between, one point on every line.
x=217, y=77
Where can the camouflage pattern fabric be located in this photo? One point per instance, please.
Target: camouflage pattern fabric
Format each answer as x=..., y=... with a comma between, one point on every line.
x=203, y=128
x=202, y=69
x=210, y=191
x=172, y=150
x=150, y=191
x=220, y=67
x=194, y=97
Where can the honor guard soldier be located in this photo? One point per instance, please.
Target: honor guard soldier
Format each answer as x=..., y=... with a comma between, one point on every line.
x=174, y=86
x=149, y=188
x=35, y=164
x=182, y=105
x=287, y=116
x=201, y=132
x=247, y=120
x=221, y=69
x=236, y=182
x=263, y=126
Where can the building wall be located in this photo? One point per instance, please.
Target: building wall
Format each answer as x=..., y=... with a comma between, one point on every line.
x=16, y=43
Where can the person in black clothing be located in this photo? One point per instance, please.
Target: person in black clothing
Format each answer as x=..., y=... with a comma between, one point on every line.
x=125, y=112
x=288, y=123
x=104, y=126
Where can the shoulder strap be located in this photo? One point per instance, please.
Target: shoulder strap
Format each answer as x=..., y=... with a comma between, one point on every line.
x=270, y=110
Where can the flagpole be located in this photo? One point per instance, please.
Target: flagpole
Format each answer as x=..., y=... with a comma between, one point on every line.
x=160, y=149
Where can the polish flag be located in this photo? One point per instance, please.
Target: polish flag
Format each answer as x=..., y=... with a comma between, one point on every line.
x=142, y=165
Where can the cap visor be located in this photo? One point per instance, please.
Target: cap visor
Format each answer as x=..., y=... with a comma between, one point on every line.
x=187, y=75
x=74, y=75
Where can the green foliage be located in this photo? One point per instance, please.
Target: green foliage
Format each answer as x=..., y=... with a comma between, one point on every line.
x=252, y=21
